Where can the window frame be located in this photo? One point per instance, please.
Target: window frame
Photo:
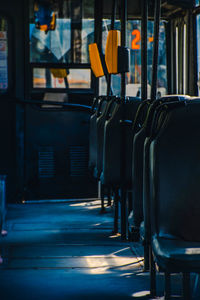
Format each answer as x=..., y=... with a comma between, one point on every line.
x=9, y=57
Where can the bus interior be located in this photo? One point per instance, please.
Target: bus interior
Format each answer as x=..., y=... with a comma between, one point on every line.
x=100, y=143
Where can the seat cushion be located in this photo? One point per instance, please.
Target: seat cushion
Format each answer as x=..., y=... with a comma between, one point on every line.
x=176, y=255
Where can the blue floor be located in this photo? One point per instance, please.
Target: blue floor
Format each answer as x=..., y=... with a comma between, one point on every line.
x=67, y=251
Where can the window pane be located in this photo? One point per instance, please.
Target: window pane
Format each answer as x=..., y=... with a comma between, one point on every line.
x=61, y=32
x=60, y=78
x=106, y=23
x=133, y=78
x=115, y=79
x=134, y=43
x=3, y=55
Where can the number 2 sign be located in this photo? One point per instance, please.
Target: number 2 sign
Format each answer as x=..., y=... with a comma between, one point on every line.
x=135, y=44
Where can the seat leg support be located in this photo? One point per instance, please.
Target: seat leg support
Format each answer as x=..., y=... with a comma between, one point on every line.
x=167, y=286
x=109, y=196
x=102, y=199
x=152, y=274
x=186, y=286
x=123, y=214
x=116, y=211
x=146, y=257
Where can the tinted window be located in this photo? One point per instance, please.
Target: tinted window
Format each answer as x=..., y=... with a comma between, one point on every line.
x=3, y=54
x=68, y=32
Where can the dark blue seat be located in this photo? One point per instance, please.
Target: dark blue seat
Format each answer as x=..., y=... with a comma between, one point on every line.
x=115, y=139
x=117, y=152
x=100, y=122
x=95, y=113
x=175, y=194
x=138, y=156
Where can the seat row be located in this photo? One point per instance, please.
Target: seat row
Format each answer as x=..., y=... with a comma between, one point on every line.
x=171, y=192
x=149, y=151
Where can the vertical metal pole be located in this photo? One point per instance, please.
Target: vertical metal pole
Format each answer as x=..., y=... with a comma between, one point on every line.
x=123, y=42
x=114, y=6
x=123, y=154
x=98, y=34
x=144, y=24
x=155, y=49
x=109, y=76
x=169, y=57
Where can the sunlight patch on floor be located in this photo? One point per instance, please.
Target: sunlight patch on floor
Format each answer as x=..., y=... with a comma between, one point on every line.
x=140, y=294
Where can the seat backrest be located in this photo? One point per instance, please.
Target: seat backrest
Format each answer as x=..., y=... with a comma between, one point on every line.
x=101, y=119
x=139, y=152
x=117, y=139
x=96, y=109
x=175, y=174
x=137, y=164
x=156, y=125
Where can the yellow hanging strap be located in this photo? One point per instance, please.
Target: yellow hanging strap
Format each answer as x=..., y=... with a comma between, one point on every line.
x=111, y=52
x=95, y=60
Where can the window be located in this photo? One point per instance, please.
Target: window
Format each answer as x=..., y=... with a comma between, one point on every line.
x=60, y=32
x=134, y=44
x=115, y=79
x=3, y=55
x=73, y=79
x=133, y=79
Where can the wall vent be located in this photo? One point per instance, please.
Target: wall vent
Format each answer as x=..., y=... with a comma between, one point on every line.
x=46, y=162
x=78, y=161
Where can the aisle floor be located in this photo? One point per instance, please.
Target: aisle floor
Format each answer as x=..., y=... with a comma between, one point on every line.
x=61, y=251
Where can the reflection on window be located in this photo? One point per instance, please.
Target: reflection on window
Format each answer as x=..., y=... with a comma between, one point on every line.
x=67, y=40
x=115, y=85
x=61, y=79
x=106, y=23
x=133, y=78
x=3, y=55
x=134, y=43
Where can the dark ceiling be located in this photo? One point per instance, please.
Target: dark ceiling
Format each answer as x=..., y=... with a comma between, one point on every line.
x=169, y=7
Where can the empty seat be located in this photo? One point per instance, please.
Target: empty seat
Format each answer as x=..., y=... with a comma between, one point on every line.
x=175, y=193
x=156, y=124
x=117, y=140
x=138, y=156
x=101, y=119
x=93, y=132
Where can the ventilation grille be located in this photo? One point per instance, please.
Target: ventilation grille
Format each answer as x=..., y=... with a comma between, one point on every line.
x=46, y=163
x=78, y=161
